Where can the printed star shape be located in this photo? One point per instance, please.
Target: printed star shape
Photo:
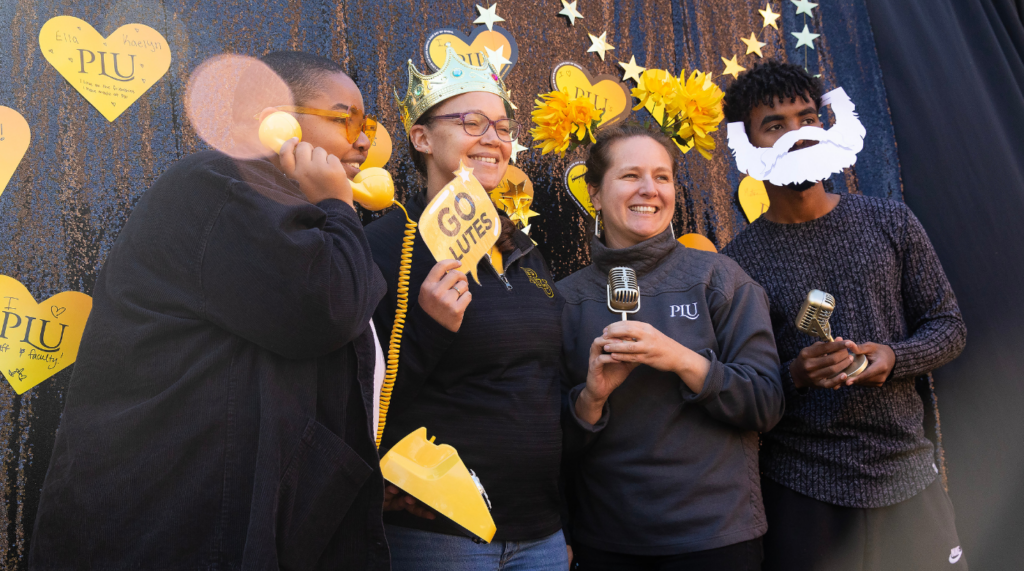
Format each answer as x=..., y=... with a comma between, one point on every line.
x=599, y=45
x=463, y=172
x=633, y=70
x=769, y=16
x=488, y=17
x=732, y=67
x=497, y=57
x=805, y=38
x=753, y=46
x=569, y=11
x=516, y=149
x=804, y=6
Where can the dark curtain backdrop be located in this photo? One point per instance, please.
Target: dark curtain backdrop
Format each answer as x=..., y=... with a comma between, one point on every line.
x=955, y=77
x=80, y=178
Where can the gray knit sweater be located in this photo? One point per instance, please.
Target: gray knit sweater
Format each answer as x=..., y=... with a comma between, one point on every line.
x=859, y=446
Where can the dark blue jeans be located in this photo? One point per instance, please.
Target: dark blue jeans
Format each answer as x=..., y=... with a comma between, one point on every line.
x=415, y=550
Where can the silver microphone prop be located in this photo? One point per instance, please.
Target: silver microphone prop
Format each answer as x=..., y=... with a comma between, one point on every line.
x=812, y=319
x=623, y=291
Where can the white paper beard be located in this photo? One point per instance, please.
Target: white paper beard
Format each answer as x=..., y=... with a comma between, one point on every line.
x=836, y=150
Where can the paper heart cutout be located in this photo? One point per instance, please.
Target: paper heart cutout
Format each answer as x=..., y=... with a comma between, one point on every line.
x=606, y=91
x=380, y=151
x=697, y=242
x=15, y=137
x=33, y=345
x=112, y=72
x=753, y=198
x=499, y=41
x=578, y=188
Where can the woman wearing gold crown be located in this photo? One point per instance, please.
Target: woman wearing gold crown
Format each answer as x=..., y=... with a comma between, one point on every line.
x=479, y=363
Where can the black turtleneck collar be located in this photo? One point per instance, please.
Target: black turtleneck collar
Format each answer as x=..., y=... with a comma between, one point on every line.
x=642, y=257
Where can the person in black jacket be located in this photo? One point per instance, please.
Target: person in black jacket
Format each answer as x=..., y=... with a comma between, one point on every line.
x=663, y=410
x=479, y=364
x=217, y=416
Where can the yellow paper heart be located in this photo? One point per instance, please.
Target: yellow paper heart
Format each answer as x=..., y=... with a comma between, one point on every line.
x=607, y=93
x=380, y=151
x=697, y=242
x=578, y=187
x=112, y=72
x=498, y=45
x=753, y=198
x=37, y=341
x=15, y=136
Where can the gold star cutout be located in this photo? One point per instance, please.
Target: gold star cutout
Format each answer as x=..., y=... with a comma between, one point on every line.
x=488, y=17
x=509, y=91
x=769, y=16
x=633, y=70
x=569, y=11
x=753, y=46
x=599, y=44
x=497, y=57
x=732, y=67
x=805, y=38
x=520, y=201
x=516, y=149
x=463, y=172
x=804, y=7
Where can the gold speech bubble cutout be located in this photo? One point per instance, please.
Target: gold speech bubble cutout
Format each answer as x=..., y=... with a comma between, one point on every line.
x=753, y=198
x=112, y=73
x=15, y=137
x=498, y=45
x=605, y=91
x=697, y=242
x=461, y=222
x=37, y=341
x=578, y=188
x=380, y=151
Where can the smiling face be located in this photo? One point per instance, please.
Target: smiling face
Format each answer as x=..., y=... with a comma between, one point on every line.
x=338, y=93
x=637, y=196
x=768, y=124
x=444, y=142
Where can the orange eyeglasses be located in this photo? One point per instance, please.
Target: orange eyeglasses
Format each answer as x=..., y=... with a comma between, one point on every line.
x=354, y=120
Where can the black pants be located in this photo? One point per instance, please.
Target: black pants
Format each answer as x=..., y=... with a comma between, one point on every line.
x=805, y=534
x=745, y=556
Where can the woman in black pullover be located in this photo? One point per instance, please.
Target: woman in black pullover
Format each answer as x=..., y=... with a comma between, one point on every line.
x=479, y=364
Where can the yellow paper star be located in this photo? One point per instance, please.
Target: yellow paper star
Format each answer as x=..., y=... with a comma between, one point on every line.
x=753, y=46
x=599, y=44
x=633, y=70
x=769, y=16
x=516, y=149
x=497, y=57
x=732, y=67
x=569, y=11
x=520, y=201
x=509, y=91
x=498, y=198
x=805, y=37
x=463, y=172
x=804, y=7
x=488, y=17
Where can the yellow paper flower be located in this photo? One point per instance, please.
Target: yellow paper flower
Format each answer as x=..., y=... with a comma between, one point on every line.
x=659, y=86
x=700, y=103
x=562, y=124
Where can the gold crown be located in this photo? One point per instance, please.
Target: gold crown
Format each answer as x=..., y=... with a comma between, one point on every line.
x=454, y=78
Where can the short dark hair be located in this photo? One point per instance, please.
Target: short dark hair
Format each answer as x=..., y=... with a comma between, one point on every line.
x=764, y=82
x=302, y=72
x=599, y=158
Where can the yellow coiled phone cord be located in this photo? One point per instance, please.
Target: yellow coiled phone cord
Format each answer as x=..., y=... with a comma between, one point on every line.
x=401, y=306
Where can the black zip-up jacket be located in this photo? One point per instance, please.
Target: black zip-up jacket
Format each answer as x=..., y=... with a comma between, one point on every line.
x=491, y=390
x=217, y=414
x=667, y=471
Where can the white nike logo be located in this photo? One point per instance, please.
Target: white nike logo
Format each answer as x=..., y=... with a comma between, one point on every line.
x=955, y=553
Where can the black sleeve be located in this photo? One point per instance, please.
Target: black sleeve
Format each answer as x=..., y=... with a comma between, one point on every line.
x=291, y=277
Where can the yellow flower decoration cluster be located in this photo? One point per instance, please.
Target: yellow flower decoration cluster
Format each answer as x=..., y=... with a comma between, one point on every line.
x=692, y=106
x=562, y=124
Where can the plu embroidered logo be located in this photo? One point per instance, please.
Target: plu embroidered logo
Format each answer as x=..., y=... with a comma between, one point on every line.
x=688, y=311
x=539, y=282
x=955, y=553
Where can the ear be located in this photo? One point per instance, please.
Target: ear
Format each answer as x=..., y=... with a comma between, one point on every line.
x=595, y=196
x=267, y=111
x=419, y=135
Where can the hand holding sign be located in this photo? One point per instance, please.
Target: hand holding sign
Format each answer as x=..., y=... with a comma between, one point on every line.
x=460, y=223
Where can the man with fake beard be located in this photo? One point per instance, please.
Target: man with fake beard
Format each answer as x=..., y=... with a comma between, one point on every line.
x=848, y=476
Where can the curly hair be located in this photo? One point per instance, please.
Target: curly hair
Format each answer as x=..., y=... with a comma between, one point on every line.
x=763, y=83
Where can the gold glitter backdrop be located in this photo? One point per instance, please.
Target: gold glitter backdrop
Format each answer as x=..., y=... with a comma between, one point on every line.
x=81, y=176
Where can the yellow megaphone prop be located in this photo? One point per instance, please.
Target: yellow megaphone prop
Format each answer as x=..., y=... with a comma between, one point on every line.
x=372, y=188
x=435, y=475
